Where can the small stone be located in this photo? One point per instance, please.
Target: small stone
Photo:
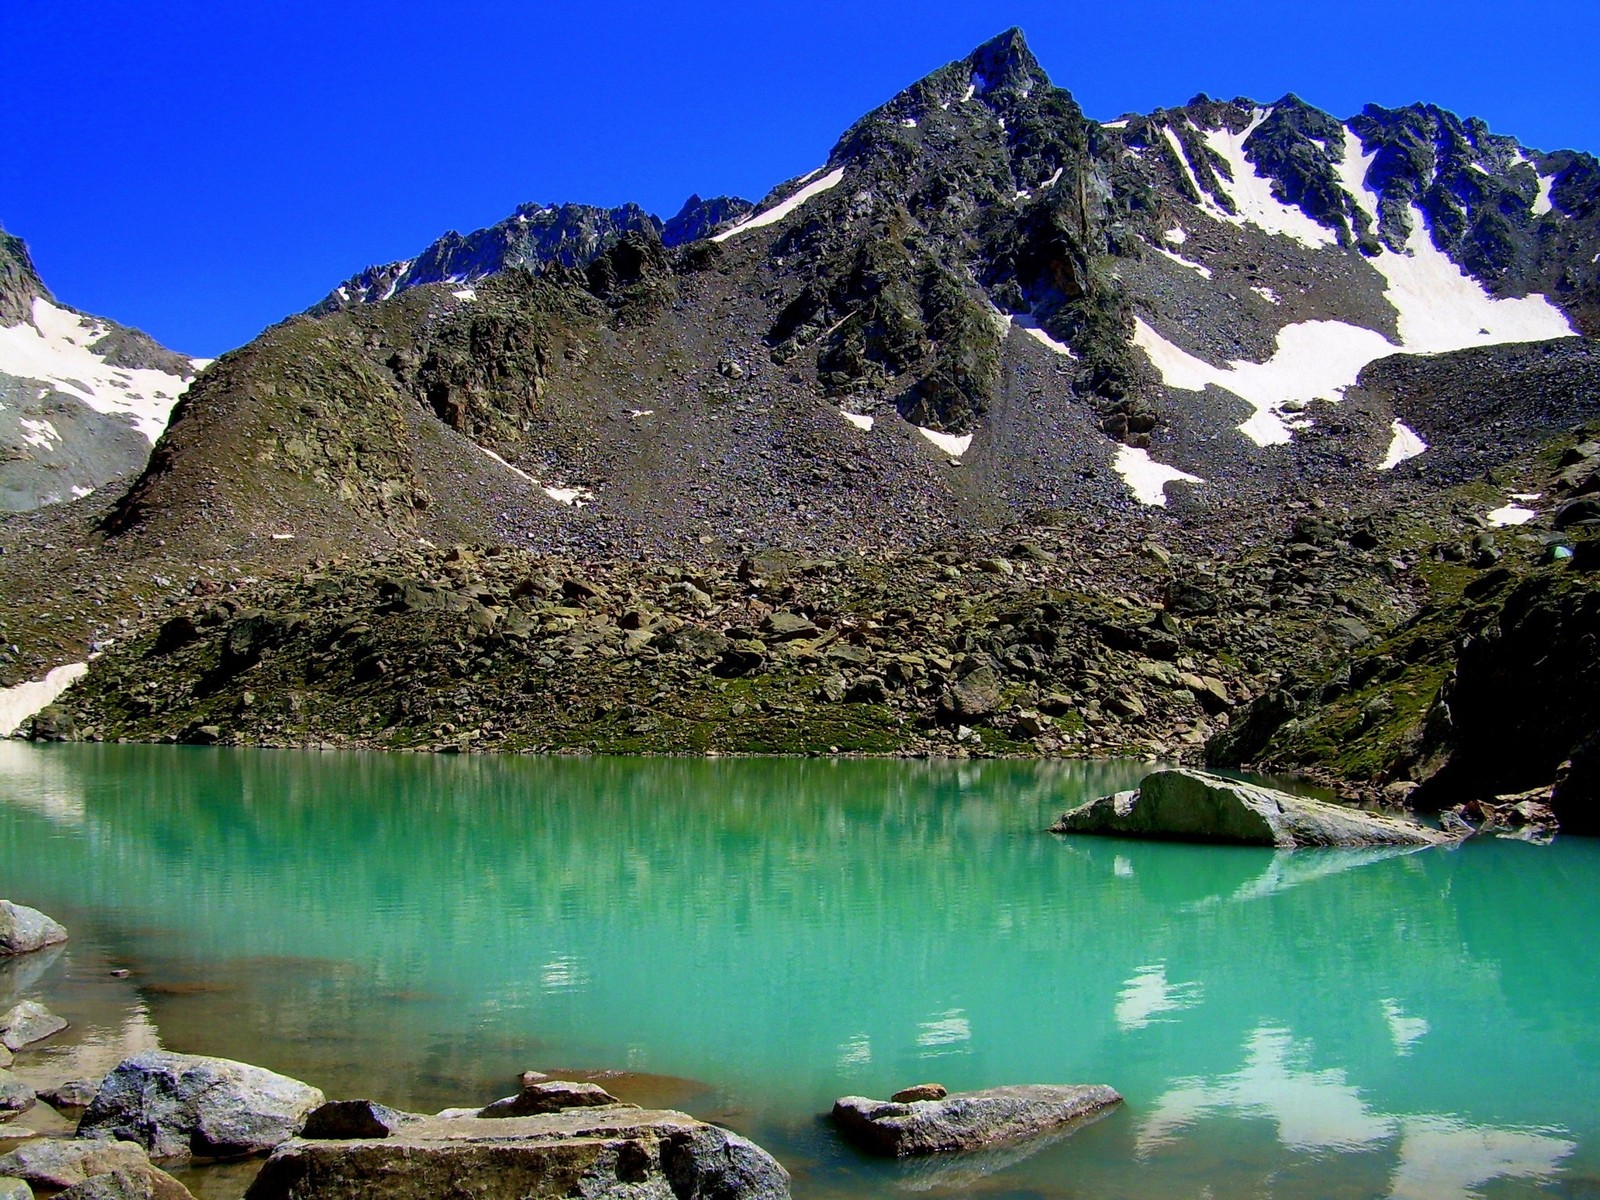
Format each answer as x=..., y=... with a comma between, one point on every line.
x=15, y=1096
x=74, y=1093
x=552, y=1095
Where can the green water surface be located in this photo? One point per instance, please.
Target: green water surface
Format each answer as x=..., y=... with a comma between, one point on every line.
x=752, y=939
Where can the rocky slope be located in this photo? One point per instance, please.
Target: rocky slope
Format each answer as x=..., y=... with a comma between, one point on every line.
x=1230, y=374
x=81, y=399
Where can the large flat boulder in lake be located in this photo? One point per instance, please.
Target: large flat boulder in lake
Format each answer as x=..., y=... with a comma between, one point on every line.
x=610, y=1151
x=24, y=929
x=1194, y=806
x=183, y=1105
x=968, y=1120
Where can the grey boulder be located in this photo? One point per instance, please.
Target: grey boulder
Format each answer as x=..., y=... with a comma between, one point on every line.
x=74, y=1093
x=968, y=1120
x=181, y=1105
x=24, y=929
x=15, y=1096
x=617, y=1151
x=52, y=1165
x=26, y=1023
x=1188, y=805
x=14, y=1189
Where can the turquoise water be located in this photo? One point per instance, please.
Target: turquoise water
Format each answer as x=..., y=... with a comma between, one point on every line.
x=754, y=938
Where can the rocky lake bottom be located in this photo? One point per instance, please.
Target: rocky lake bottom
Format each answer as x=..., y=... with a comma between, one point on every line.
x=749, y=939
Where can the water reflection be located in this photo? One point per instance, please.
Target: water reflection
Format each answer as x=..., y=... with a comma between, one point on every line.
x=421, y=928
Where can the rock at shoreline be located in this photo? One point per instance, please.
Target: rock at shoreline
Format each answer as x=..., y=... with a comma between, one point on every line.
x=52, y=1165
x=920, y=1091
x=23, y=929
x=15, y=1096
x=180, y=1105
x=548, y=1096
x=967, y=1120
x=354, y=1119
x=74, y=1093
x=26, y=1023
x=612, y=1151
x=1188, y=805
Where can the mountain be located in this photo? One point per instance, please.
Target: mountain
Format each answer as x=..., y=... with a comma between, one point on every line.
x=82, y=399
x=1247, y=390
x=572, y=235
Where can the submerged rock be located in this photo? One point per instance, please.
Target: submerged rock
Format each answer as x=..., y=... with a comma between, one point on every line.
x=24, y=929
x=967, y=1120
x=52, y=1165
x=1188, y=805
x=26, y=1023
x=177, y=1105
x=611, y=1151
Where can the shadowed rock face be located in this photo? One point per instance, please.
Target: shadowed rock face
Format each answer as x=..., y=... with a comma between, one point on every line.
x=1185, y=805
x=968, y=1120
x=614, y=1151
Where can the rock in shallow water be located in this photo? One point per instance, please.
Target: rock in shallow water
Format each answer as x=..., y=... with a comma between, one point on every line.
x=967, y=1120
x=1188, y=805
x=26, y=1023
x=24, y=929
x=15, y=1096
x=613, y=1151
x=178, y=1105
x=50, y=1165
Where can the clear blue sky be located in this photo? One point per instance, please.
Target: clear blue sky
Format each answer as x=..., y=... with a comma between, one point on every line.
x=201, y=170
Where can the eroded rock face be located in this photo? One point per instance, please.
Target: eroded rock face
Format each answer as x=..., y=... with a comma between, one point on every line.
x=612, y=1151
x=968, y=1120
x=178, y=1105
x=1188, y=805
x=51, y=1165
x=24, y=929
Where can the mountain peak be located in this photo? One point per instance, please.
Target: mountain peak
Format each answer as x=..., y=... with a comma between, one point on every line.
x=19, y=282
x=1005, y=62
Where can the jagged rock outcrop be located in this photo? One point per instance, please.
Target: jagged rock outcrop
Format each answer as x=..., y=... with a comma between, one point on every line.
x=968, y=1120
x=1193, y=806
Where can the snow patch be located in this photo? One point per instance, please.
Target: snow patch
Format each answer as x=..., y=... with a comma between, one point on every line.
x=969, y=93
x=19, y=703
x=908, y=123
x=39, y=433
x=1032, y=328
x=1053, y=180
x=1175, y=235
x=1312, y=360
x=465, y=293
x=55, y=348
x=952, y=444
x=641, y=412
x=1199, y=268
x=1251, y=192
x=78, y=493
x=1403, y=444
x=1542, y=203
x=1145, y=477
x=1267, y=294
x=1113, y=124
x=574, y=497
x=1511, y=514
x=784, y=207
x=859, y=420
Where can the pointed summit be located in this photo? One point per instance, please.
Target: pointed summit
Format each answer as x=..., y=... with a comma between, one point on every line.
x=1006, y=62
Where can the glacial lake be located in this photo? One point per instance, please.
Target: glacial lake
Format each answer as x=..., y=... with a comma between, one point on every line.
x=751, y=939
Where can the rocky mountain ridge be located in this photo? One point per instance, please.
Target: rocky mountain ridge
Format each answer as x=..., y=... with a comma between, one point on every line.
x=82, y=400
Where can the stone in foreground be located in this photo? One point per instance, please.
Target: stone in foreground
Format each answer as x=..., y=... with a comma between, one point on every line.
x=23, y=929
x=612, y=1151
x=52, y=1165
x=968, y=1120
x=182, y=1105
x=15, y=1096
x=1194, y=806
x=26, y=1023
